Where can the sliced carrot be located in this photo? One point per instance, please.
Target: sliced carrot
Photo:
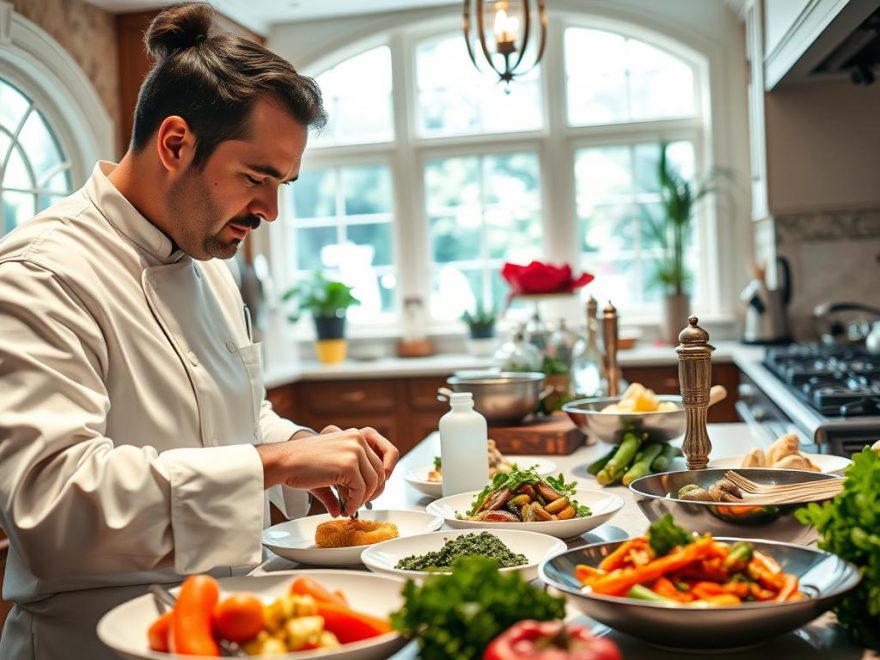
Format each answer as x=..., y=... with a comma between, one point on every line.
x=621, y=580
x=586, y=574
x=191, y=625
x=738, y=588
x=789, y=587
x=766, y=562
x=306, y=586
x=664, y=587
x=350, y=626
x=617, y=559
x=759, y=593
x=158, y=632
x=722, y=599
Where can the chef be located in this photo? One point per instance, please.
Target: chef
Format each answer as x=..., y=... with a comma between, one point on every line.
x=136, y=444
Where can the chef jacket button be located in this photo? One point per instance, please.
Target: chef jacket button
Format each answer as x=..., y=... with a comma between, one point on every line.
x=193, y=359
x=231, y=347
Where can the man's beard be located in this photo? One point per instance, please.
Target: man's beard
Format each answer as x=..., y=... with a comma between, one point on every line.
x=191, y=203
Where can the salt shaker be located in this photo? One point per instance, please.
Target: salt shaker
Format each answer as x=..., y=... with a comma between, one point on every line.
x=695, y=378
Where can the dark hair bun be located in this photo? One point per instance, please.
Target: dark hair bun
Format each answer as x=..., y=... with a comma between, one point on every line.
x=177, y=28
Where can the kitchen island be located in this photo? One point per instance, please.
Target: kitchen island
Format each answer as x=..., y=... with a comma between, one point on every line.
x=820, y=639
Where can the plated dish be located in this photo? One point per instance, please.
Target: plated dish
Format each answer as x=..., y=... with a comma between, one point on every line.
x=388, y=556
x=784, y=454
x=809, y=582
x=295, y=539
x=125, y=627
x=419, y=478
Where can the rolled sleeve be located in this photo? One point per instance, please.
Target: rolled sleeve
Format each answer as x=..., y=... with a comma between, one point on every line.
x=216, y=506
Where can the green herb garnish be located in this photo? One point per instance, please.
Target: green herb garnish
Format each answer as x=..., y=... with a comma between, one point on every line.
x=850, y=528
x=517, y=477
x=437, y=463
x=664, y=535
x=484, y=544
x=457, y=615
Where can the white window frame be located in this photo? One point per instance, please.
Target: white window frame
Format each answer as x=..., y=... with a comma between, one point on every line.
x=40, y=67
x=555, y=145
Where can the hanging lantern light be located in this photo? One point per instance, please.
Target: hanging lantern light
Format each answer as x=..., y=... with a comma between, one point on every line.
x=511, y=33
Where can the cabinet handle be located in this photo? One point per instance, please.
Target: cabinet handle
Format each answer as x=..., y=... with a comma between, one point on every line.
x=355, y=396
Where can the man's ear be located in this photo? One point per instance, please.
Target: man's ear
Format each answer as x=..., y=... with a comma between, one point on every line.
x=175, y=144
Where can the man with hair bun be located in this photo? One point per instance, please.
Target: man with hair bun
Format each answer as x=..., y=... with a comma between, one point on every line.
x=136, y=444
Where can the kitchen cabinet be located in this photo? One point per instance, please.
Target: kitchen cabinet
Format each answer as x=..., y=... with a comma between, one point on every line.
x=404, y=410
x=664, y=380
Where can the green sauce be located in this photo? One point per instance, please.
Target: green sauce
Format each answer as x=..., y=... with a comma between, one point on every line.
x=485, y=544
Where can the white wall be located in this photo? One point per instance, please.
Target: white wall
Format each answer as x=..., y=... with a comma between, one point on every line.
x=709, y=27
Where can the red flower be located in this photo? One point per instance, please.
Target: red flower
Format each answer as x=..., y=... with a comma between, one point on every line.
x=539, y=277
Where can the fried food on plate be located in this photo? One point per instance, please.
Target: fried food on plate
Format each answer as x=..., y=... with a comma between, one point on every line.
x=784, y=454
x=786, y=445
x=347, y=532
x=754, y=458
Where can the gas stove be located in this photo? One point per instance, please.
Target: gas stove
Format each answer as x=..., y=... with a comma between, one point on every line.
x=837, y=382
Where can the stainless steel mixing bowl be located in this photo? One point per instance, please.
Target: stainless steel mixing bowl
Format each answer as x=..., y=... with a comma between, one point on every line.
x=824, y=578
x=502, y=398
x=663, y=426
x=773, y=522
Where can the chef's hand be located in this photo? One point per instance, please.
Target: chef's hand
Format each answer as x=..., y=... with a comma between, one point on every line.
x=342, y=458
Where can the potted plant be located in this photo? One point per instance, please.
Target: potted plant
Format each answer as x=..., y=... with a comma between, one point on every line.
x=671, y=229
x=481, y=324
x=327, y=301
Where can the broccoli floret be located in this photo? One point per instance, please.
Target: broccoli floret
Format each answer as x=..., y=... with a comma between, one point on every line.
x=664, y=535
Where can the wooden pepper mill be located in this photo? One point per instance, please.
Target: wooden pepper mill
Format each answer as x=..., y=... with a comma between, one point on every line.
x=695, y=378
x=609, y=338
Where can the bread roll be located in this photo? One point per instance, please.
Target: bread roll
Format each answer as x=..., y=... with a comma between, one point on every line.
x=786, y=445
x=796, y=462
x=754, y=458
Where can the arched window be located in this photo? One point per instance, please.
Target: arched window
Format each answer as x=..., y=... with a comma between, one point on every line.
x=34, y=171
x=462, y=175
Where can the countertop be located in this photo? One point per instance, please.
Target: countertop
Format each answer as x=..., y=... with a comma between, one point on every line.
x=821, y=638
x=444, y=364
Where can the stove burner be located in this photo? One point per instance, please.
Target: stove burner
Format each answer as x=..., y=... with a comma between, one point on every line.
x=835, y=381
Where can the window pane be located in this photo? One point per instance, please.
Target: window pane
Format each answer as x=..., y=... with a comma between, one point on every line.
x=367, y=189
x=314, y=194
x=377, y=236
x=454, y=98
x=309, y=244
x=614, y=79
x=13, y=106
x=452, y=240
x=17, y=207
x=608, y=229
x=40, y=146
x=603, y=174
x=452, y=182
x=17, y=174
x=647, y=159
x=357, y=96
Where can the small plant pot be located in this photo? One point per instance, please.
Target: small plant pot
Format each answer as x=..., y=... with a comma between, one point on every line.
x=330, y=327
x=331, y=351
x=482, y=330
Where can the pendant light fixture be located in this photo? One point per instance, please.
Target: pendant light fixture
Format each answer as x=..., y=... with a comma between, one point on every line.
x=512, y=27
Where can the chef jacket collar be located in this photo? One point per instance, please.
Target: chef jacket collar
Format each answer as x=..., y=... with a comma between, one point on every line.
x=120, y=213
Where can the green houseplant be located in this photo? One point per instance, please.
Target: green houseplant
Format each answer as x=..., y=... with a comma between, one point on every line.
x=678, y=197
x=327, y=301
x=481, y=323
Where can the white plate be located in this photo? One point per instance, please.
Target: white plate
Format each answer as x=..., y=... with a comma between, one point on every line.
x=383, y=557
x=825, y=462
x=418, y=477
x=124, y=628
x=603, y=505
x=295, y=539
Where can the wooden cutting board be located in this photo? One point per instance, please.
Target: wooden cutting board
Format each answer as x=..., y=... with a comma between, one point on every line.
x=555, y=434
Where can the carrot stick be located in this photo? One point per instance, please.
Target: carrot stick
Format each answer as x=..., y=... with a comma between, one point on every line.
x=766, y=562
x=621, y=580
x=586, y=574
x=664, y=587
x=722, y=599
x=789, y=587
x=616, y=559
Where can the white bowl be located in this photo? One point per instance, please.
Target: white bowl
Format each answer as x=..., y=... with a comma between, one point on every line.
x=124, y=628
x=827, y=463
x=603, y=505
x=295, y=539
x=383, y=557
x=418, y=477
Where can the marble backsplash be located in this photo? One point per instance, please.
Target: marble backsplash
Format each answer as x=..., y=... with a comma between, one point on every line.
x=834, y=257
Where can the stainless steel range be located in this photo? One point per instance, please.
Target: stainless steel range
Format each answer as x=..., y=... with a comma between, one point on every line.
x=830, y=395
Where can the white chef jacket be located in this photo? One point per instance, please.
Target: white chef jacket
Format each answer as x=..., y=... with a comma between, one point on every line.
x=130, y=400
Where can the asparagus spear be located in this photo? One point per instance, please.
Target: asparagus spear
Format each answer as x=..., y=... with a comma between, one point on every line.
x=642, y=464
x=661, y=463
x=618, y=463
x=594, y=467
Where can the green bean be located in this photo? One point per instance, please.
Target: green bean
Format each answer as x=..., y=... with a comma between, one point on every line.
x=643, y=462
x=594, y=467
x=661, y=463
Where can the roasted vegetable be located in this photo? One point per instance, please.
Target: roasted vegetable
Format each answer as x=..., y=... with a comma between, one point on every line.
x=664, y=535
x=616, y=467
x=458, y=615
x=642, y=464
x=191, y=632
x=523, y=496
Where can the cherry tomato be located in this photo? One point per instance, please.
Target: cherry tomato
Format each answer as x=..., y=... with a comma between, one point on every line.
x=238, y=618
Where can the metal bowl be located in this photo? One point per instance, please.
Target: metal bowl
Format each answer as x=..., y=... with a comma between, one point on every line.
x=502, y=398
x=824, y=578
x=773, y=522
x=661, y=426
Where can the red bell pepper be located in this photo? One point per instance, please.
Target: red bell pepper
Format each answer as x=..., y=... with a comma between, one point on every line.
x=550, y=640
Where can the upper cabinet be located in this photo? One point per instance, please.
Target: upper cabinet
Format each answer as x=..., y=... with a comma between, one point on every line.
x=813, y=38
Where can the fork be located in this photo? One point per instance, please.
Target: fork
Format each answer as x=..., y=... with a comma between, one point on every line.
x=165, y=599
x=367, y=505
x=787, y=493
